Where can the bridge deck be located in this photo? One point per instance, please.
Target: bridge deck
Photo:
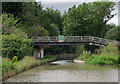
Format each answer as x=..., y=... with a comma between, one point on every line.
x=69, y=40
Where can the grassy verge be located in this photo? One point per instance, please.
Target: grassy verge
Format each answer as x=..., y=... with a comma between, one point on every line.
x=10, y=69
x=105, y=56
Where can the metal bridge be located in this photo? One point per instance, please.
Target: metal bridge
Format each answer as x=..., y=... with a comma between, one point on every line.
x=70, y=40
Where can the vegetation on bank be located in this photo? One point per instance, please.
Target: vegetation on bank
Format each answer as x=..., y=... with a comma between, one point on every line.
x=15, y=45
x=104, y=56
x=13, y=67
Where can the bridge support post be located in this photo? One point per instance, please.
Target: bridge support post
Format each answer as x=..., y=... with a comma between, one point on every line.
x=38, y=52
x=41, y=52
x=90, y=49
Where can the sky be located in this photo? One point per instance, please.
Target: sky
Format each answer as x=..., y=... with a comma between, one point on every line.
x=64, y=5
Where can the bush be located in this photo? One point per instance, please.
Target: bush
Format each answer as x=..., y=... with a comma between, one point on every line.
x=15, y=45
x=8, y=65
x=107, y=56
x=101, y=60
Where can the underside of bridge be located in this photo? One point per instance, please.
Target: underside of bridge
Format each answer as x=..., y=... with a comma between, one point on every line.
x=69, y=43
x=39, y=51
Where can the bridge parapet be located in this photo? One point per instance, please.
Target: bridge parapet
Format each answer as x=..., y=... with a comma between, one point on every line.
x=71, y=39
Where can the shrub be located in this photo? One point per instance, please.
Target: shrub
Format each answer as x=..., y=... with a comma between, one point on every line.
x=101, y=60
x=15, y=45
x=8, y=65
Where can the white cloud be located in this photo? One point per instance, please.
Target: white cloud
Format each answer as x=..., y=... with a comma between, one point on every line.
x=114, y=20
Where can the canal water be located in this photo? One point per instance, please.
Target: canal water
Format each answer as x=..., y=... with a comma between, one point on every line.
x=66, y=71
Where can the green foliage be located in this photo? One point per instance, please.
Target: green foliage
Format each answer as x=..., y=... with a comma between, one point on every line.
x=59, y=49
x=14, y=59
x=54, y=18
x=105, y=55
x=9, y=23
x=20, y=32
x=101, y=60
x=22, y=65
x=79, y=50
x=119, y=59
x=12, y=7
x=113, y=33
x=110, y=49
x=49, y=57
x=30, y=13
x=34, y=31
x=88, y=19
x=8, y=65
x=86, y=55
x=49, y=19
x=9, y=20
x=55, y=30
x=15, y=45
x=109, y=56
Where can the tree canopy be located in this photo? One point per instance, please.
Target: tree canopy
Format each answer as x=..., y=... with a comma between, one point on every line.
x=88, y=19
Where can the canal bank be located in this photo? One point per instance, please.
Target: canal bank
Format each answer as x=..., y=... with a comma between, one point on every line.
x=25, y=64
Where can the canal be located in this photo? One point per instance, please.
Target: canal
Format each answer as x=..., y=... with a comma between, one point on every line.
x=67, y=71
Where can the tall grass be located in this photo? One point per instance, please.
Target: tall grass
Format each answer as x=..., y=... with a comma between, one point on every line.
x=106, y=56
x=10, y=69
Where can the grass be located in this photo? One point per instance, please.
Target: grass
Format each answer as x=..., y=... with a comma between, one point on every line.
x=105, y=56
x=9, y=69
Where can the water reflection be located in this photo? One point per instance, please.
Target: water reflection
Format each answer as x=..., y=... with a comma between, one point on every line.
x=68, y=72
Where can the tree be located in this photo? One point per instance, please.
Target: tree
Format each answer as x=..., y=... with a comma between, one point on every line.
x=20, y=32
x=37, y=31
x=50, y=19
x=9, y=23
x=55, y=30
x=113, y=33
x=54, y=16
x=88, y=19
x=30, y=14
x=14, y=8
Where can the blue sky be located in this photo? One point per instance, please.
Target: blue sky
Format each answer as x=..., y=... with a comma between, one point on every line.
x=63, y=5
